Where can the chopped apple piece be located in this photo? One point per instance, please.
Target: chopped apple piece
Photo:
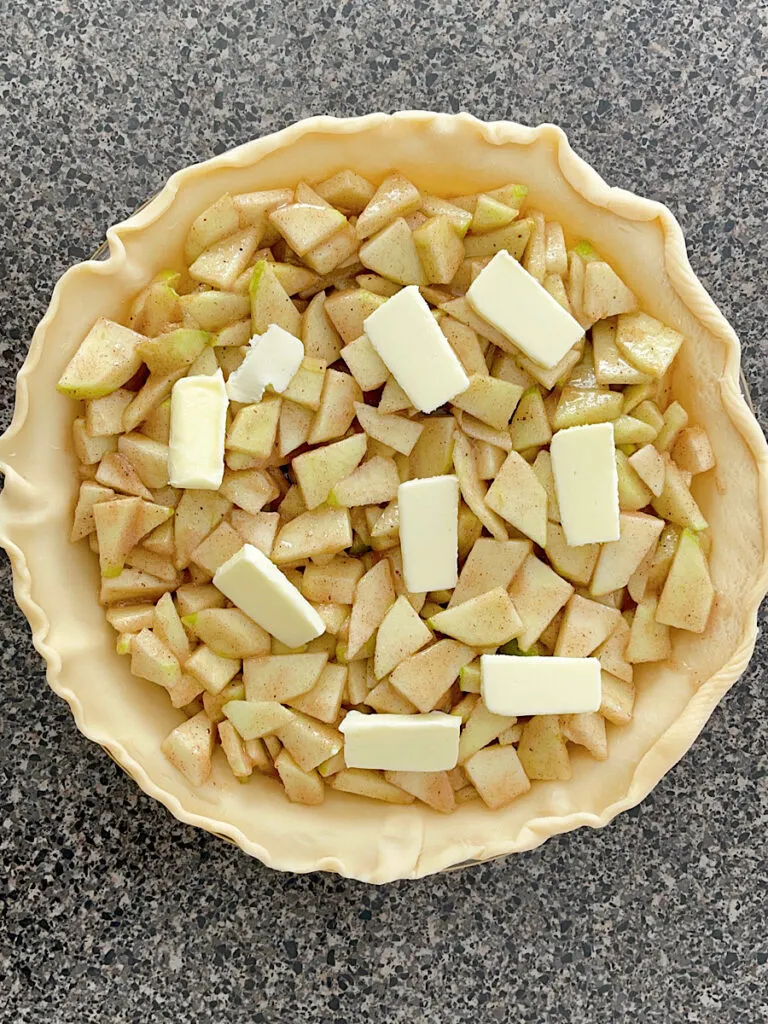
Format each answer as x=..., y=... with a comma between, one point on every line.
x=633, y=493
x=91, y=494
x=293, y=428
x=692, y=451
x=490, y=564
x=619, y=559
x=364, y=363
x=374, y=597
x=254, y=719
x=250, y=489
x=131, y=618
x=489, y=399
x=189, y=748
x=605, y=294
x=107, y=357
x=572, y=563
x=333, y=419
x=368, y=783
x=482, y=727
x=116, y=471
x=309, y=741
x=486, y=620
x=498, y=775
x=323, y=701
x=612, y=653
x=425, y=677
x=587, y=730
x=649, y=465
x=90, y=450
x=675, y=418
x=169, y=628
x=104, y=416
x=687, y=597
x=432, y=788
x=217, y=548
x=392, y=254
x=347, y=191
x=542, y=749
x=538, y=594
x=149, y=458
x=395, y=197
x=132, y=585
x=306, y=386
x=514, y=238
x=647, y=343
x=373, y=483
x=305, y=226
x=334, y=582
x=618, y=698
x=212, y=670
x=270, y=303
x=530, y=425
x=439, y=248
x=318, y=334
x=610, y=366
x=301, y=787
x=473, y=490
x=675, y=503
x=542, y=467
x=348, y=311
x=464, y=342
x=323, y=531
x=281, y=677
x=396, y=431
x=116, y=531
x=254, y=429
x=401, y=634
x=518, y=496
x=649, y=640
x=585, y=626
x=228, y=632
x=578, y=407
x=318, y=471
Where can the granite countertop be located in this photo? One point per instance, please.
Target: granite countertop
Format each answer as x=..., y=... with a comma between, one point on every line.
x=112, y=911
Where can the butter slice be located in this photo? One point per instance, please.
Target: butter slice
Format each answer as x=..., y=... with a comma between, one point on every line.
x=587, y=484
x=513, y=685
x=272, y=360
x=198, y=429
x=401, y=743
x=415, y=351
x=429, y=532
x=258, y=588
x=514, y=302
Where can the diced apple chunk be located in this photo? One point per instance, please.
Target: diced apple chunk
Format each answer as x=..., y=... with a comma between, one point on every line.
x=498, y=775
x=189, y=748
x=487, y=620
x=686, y=600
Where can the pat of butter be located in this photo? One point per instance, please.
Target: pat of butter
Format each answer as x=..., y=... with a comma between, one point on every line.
x=429, y=532
x=198, y=429
x=272, y=360
x=415, y=351
x=586, y=482
x=258, y=588
x=401, y=743
x=514, y=302
x=513, y=685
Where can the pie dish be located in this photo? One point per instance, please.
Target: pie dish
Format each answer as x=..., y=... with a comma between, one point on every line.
x=56, y=583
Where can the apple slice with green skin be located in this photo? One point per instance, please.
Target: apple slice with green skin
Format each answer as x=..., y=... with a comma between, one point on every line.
x=340, y=394
x=490, y=214
x=116, y=531
x=434, y=206
x=489, y=399
x=280, y=677
x=215, y=310
x=318, y=471
x=486, y=620
x=518, y=496
x=152, y=659
x=692, y=451
x=218, y=221
x=619, y=559
x=675, y=419
x=106, y=358
x=348, y=310
x=542, y=749
x=374, y=596
x=323, y=531
x=364, y=363
x=432, y=788
x=647, y=343
x=538, y=594
x=578, y=406
x=649, y=640
x=628, y=430
x=585, y=626
x=686, y=600
x=395, y=197
x=514, y=238
x=424, y=678
x=490, y=564
x=401, y=634
x=439, y=248
x=368, y=783
x=189, y=748
x=167, y=625
x=675, y=503
x=174, y=351
x=254, y=719
x=320, y=338
x=300, y=787
x=575, y=564
x=270, y=303
x=323, y=701
x=309, y=741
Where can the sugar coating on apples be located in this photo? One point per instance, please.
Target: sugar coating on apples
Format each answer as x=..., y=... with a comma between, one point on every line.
x=390, y=492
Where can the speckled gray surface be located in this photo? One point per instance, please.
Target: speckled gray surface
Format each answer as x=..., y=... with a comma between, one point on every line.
x=110, y=910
